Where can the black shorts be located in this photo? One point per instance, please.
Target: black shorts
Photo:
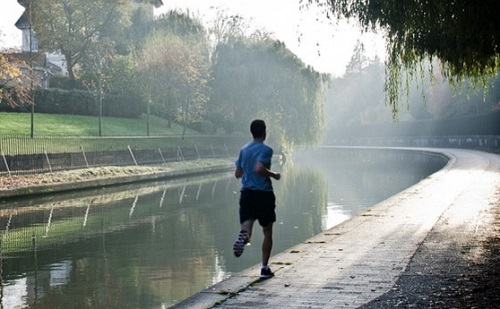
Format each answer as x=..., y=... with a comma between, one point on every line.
x=257, y=205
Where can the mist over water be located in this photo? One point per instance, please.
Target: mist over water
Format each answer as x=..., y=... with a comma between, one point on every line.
x=360, y=178
x=151, y=245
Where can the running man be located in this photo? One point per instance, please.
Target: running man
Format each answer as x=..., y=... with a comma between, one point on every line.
x=257, y=200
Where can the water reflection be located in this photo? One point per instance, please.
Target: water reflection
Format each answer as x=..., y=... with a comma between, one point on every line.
x=360, y=178
x=154, y=244
x=301, y=197
x=138, y=247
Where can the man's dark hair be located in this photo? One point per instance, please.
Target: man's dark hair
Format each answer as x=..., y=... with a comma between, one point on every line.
x=258, y=128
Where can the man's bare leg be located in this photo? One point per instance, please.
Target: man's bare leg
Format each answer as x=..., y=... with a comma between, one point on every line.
x=267, y=243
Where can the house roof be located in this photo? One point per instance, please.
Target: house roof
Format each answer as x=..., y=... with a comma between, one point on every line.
x=24, y=3
x=23, y=22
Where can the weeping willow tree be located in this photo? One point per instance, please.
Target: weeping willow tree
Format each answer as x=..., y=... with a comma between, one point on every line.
x=463, y=34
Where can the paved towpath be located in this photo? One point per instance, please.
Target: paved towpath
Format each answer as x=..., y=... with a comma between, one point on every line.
x=361, y=259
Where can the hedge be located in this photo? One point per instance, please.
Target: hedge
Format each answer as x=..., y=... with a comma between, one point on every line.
x=80, y=102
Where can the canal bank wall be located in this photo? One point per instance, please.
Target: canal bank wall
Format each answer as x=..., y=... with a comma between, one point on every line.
x=478, y=142
x=184, y=169
x=359, y=260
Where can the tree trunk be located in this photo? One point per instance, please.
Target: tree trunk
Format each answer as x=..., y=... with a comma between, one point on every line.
x=69, y=66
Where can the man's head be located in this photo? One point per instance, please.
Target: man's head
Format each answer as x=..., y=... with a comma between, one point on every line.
x=258, y=129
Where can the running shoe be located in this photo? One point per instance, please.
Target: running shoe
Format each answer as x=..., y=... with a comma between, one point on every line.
x=266, y=273
x=239, y=244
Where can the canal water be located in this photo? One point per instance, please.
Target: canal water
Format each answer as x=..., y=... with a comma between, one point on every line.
x=151, y=245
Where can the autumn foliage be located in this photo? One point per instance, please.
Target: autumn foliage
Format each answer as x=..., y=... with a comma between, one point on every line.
x=14, y=84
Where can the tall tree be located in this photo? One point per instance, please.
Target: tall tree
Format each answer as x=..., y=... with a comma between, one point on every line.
x=97, y=64
x=140, y=29
x=226, y=27
x=358, y=61
x=173, y=68
x=463, y=34
x=175, y=72
x=444, y=102
x=145, y=75
x=357, y=98
x=264, y=79
x=181, y=24
x=69, y=26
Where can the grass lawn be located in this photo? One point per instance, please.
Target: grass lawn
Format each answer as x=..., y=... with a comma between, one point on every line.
x=72, y=134
x=75, y=125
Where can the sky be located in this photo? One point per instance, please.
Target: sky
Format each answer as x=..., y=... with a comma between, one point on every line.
x=326, y=47
x=10, y=11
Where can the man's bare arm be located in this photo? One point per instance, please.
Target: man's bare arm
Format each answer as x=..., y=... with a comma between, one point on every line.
x=263, y=171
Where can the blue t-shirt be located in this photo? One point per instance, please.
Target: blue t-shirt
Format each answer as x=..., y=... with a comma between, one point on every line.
x=249, y=155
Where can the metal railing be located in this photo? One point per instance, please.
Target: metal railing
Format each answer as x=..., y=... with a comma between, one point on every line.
x=483, y=142
x=21, y=154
